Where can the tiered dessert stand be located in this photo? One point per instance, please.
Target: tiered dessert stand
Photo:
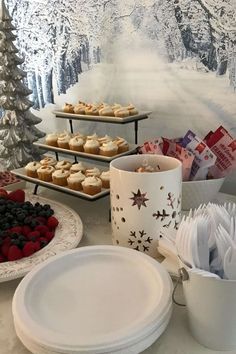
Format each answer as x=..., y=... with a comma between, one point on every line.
x=70, y=116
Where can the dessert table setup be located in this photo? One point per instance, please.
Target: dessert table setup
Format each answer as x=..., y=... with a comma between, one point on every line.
x=93, y=224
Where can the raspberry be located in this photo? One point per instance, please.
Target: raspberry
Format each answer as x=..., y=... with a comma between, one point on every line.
x=52, y=222
x=42, y=229
x=37, y=246
x=28, y=249
x=26, y=230
x=3, y=193
x=49, y=235
x=4, y=249
x=17, y=196
x=41, y=220
x=16, y=229
x=14, y=253
x=33, y=234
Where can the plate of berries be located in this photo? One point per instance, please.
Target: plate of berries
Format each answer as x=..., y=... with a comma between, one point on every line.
x=33, y=229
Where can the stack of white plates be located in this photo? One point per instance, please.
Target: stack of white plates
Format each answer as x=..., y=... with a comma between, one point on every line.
x=96, y=299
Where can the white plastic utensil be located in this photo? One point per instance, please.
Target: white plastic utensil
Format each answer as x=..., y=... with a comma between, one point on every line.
x=230, y=263
x=204, y=273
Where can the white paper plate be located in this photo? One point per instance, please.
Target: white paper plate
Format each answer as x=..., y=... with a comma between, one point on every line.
x=68, y=235
x=93, y=299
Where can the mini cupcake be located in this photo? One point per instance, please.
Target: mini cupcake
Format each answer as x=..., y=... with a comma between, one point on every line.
x=31, y=169
x=92, y=110
x=74, y=181
x=91, y=147
x=48, y=161
x=106, y=111
x=63, y=140
x=59, y=177
x=108, y=149
x=122, y=145
x=104, y=139
x=51, y=139
x=132, y=110
x=76, y=144
x=68, y=108
x=94, y=136
x=90, y=172
x=92, y=185
x=79, y=135
x=79, y=108
x=105, y=178
x=77, y=167
x=65, y=165
x=45, y=173
x=121, y=112
x=116, y=106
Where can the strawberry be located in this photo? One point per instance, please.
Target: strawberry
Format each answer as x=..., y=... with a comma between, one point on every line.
x=17, y=196
x=33, y=235
x=14, y=253
x=28, y=249
x=3, y=193
x=26, y=230
x=49, y=235
x=52, y=222
x=42, y=229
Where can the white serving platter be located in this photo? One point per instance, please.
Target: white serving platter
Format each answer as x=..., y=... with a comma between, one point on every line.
x=67, y=236
x=118, y=120
x=44, y=146
x=96, y=299
x=20, y=172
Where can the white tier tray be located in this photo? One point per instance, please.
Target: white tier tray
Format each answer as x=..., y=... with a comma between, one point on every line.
x=44, y=146
x=96, y=299
x=20, y=172
x=67, y=236
x=118, y=120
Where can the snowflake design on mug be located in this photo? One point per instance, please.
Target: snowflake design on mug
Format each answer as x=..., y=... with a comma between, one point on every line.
x=138, y=241
x=139, y=199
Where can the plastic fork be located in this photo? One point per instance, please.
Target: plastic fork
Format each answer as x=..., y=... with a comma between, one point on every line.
x=230, y=263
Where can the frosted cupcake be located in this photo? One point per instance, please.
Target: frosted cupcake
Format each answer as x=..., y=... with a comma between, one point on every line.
x=68, y=108
x=104, y=139
x=51, y=139
x=77, y=167
x=108, y=149
x=65, y=165
x=74, y=181
x=94, y=136
x=121, y=112
x=79, y=108
x=63, y=140
x=105, y=178
x=91, y=147
x=132, y=110
x=59, y=177
x=48, y=161
x=90, y=172
x=31, y=169
x=122, y=145
x=92, y=110
x=45, y=173
x=79, y=135
x=76, y=144
x=106, y=111
x=92, y=185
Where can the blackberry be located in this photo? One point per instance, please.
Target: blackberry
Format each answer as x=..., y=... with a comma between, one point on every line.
x=15, y=242
x=2, y=209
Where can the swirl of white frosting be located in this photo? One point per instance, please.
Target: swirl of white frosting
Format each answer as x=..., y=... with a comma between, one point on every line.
x=77, y=167
x=48, y=161
x=111, y=145
x=46, y=169
x=52, y=136
x=78, y=141
x=63, y=164
x=92, y=181
x=61, y=173
x=94, y=136
x=105, y=175
x=76, y=177
x=33, y=166
x=91, y=143
x=92, y=172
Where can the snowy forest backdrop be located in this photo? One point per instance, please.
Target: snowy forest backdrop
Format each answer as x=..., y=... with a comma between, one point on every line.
x=176, y=58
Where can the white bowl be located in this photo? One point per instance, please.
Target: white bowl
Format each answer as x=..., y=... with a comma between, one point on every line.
x=195, y=193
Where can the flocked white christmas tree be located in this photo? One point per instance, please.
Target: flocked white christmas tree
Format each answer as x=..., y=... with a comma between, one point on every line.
x=17, y=123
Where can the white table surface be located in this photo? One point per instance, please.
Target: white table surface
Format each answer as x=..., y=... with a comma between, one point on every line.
x=97, y=230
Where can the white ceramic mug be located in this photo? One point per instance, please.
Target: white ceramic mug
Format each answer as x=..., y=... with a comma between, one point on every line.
x=144, y=205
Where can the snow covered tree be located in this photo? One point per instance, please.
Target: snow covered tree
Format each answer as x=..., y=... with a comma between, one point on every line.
x=17, y=130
